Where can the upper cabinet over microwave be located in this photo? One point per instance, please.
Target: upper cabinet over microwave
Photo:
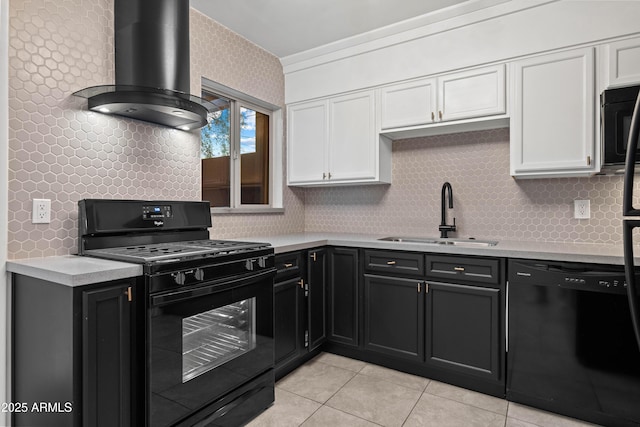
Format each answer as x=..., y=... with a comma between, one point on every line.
x=623, y=62
x=434, y=101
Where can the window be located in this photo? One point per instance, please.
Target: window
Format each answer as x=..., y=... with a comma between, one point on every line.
x=237, y=152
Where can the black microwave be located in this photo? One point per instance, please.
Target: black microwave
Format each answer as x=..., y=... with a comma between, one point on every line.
x=615, y=118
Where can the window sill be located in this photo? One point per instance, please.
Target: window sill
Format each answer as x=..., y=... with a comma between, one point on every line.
x=247, y=210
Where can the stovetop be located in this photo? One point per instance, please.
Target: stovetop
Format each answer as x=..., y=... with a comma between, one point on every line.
x=185, y=250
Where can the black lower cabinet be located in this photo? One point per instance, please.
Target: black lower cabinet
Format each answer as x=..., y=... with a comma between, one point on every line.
x=394, y=316
x=74, y=354
x=106, y=343
x=465, y=321
x=343, y=294
x=289, y=317
x=463, y=329
x=300, y=302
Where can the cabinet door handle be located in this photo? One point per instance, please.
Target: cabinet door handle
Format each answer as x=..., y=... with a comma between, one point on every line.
x=419, y=285
x=288, y=265
x=324, y=175
x=440, y=114
x=329, y=175
x=458, y=268
x=433, y=116
x=391, y=263
x=313, y=256
x=129, y=294
x=301, y=283
x=588, y=160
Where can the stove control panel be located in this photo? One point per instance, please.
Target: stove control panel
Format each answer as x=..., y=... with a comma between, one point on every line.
x=156, y=212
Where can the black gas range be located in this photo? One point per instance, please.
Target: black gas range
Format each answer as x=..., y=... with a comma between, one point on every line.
x=208, y=325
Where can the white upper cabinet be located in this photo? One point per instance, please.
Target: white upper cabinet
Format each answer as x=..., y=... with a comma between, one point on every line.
x=428, y=103
x=308, y=127
x=623, y=58
x=352, y=148
x=334, y=142
x=473, y=93
x=553, y=115
x=408, y=104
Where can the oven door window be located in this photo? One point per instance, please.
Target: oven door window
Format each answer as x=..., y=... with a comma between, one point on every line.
x=212, y=338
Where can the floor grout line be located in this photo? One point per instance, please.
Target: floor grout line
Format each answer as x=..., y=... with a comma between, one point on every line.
x=414, y=406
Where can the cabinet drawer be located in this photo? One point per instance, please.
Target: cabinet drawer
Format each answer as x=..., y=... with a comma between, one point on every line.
x=467, y=269
x=394, y=262
x=288, y=265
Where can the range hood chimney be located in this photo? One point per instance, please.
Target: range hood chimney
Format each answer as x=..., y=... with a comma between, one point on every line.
x=151, y=67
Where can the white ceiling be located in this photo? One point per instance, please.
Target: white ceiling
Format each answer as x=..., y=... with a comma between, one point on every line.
x=287, y=27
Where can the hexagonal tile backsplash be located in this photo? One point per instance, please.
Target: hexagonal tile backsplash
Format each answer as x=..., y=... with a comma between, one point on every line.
x=488, y=202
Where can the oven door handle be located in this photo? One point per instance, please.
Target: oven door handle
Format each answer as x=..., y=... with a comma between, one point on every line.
x=218, y=286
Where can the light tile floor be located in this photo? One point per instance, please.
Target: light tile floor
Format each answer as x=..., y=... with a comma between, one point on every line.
x=336, y=391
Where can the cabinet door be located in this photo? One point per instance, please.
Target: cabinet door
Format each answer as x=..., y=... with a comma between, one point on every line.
x=352, y=147
x=289, y=316
x=317, y=297
x=107, y=330
x=343, y=296
x=307, y=142
x=473, y=93
x=552, y=121
x=394, y=316
x=408, y=104
x=624, y=62
x=463, y=329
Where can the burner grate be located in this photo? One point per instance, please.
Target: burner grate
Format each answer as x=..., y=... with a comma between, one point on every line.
x=179, y=250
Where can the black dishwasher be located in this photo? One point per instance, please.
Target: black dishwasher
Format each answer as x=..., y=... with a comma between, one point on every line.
x=571, y=345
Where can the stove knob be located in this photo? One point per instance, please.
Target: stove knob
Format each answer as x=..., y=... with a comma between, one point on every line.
x=179, y=277
x=199, y=274
x=249, y=264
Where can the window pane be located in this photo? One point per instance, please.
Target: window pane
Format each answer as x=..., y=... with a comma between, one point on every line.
x=215, y=150
x=254, y=157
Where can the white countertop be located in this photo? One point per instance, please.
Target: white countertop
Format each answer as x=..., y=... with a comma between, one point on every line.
x=571, y=252
x=73, y=270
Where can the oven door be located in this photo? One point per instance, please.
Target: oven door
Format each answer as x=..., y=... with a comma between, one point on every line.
x=206, y=341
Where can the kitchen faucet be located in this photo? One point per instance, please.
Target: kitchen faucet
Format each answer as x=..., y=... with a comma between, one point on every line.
x=444, y=227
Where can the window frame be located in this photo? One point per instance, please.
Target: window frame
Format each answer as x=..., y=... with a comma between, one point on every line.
x=240, y=100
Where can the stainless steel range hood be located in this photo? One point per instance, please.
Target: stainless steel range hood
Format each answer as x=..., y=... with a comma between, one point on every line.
x=151, y=67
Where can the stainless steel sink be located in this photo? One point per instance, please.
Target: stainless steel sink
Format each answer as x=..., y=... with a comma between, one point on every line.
x=433, y=241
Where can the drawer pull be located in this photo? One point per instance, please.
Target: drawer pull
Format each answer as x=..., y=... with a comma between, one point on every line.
x=288, y=265
x=458, y=268
x=391, y=263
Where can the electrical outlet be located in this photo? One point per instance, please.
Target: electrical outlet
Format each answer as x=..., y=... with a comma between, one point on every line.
x=582, y=209
x=41, y=211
